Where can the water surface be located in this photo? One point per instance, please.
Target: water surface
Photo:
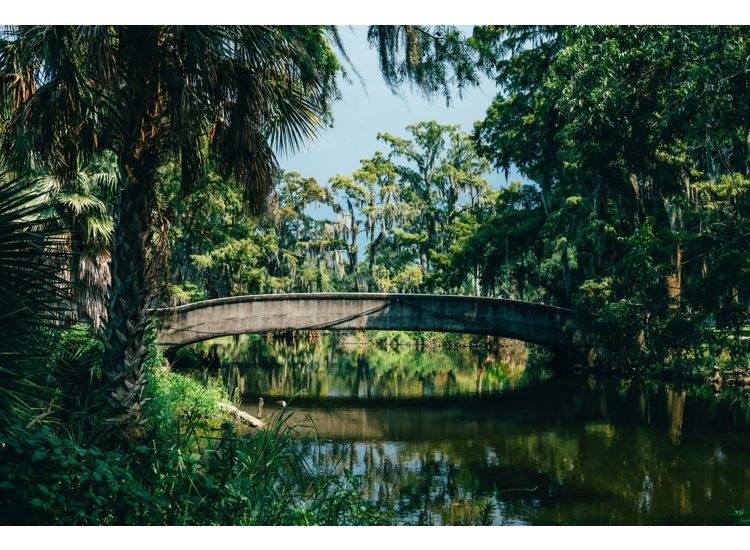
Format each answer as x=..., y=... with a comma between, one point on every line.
x=437, y=436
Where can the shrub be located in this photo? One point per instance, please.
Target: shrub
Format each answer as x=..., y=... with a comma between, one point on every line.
x=177, y=402
x=191, y=469
x=46, y=479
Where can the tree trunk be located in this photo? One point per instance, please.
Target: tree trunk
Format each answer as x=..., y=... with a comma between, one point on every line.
x=674, y=279
x=567, y=284
x=142, y=136
x=125, y=353
x=352, y=253
x=546, y=190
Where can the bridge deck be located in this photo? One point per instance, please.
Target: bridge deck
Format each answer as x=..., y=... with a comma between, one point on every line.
x=527, y=321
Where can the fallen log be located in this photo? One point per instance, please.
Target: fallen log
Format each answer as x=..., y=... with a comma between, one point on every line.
x=241, y=416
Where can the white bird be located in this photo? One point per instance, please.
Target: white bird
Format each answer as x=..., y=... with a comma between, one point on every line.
x=282, y=403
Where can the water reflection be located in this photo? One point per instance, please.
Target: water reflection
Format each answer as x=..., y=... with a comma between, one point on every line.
x=436, y=436
x=323, y=367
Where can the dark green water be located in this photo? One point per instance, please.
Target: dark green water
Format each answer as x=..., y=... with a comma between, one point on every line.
x=437, y=435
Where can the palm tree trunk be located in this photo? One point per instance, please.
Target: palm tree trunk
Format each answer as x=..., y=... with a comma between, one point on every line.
x=123, y=373
x=123, y=367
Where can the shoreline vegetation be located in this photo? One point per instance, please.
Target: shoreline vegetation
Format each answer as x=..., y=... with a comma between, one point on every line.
x=189, y=468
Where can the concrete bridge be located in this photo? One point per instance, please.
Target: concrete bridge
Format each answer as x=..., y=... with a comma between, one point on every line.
x=549, y=326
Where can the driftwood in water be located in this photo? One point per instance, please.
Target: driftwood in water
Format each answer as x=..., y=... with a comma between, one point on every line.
x=240, y=416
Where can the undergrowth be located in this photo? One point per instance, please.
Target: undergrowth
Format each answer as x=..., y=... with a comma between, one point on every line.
x=190, y=468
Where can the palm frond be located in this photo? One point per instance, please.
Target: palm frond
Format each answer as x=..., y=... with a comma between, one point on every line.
x=435, y=60
x=33, y=295
x=79, y=203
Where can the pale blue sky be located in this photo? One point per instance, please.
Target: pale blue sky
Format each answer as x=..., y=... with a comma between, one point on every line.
x=362, y=113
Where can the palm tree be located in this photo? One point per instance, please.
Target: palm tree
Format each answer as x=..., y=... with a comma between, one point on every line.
x=32, y=295
x=148, y=94
x=83, y=208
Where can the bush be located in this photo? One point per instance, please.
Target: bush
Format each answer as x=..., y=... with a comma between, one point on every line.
x=46, y=479
x=190, y=469
x=177, y=402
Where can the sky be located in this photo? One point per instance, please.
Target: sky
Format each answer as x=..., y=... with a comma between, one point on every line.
x=363, y=111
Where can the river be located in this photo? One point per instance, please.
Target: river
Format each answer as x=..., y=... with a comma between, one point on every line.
x=460, y=437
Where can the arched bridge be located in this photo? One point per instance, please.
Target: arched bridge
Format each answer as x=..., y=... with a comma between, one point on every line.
x=549, y=326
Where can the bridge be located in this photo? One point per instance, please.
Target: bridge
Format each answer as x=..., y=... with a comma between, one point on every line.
x=553, y=327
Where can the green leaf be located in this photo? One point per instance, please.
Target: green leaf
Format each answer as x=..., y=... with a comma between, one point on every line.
x=38, y=455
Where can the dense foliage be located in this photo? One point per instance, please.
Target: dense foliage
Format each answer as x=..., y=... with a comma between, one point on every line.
x=98, y=115
x=638, y=138
x=148, y=94
x=189, y=469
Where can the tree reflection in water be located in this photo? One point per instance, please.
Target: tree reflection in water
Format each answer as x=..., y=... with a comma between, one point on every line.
x=436, y=435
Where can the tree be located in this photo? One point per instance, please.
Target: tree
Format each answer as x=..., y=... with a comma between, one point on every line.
x=439, y=172
x=303, y=240
x=148, y=93
x=503, y=253
x=372, y=202
x=83, y=207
